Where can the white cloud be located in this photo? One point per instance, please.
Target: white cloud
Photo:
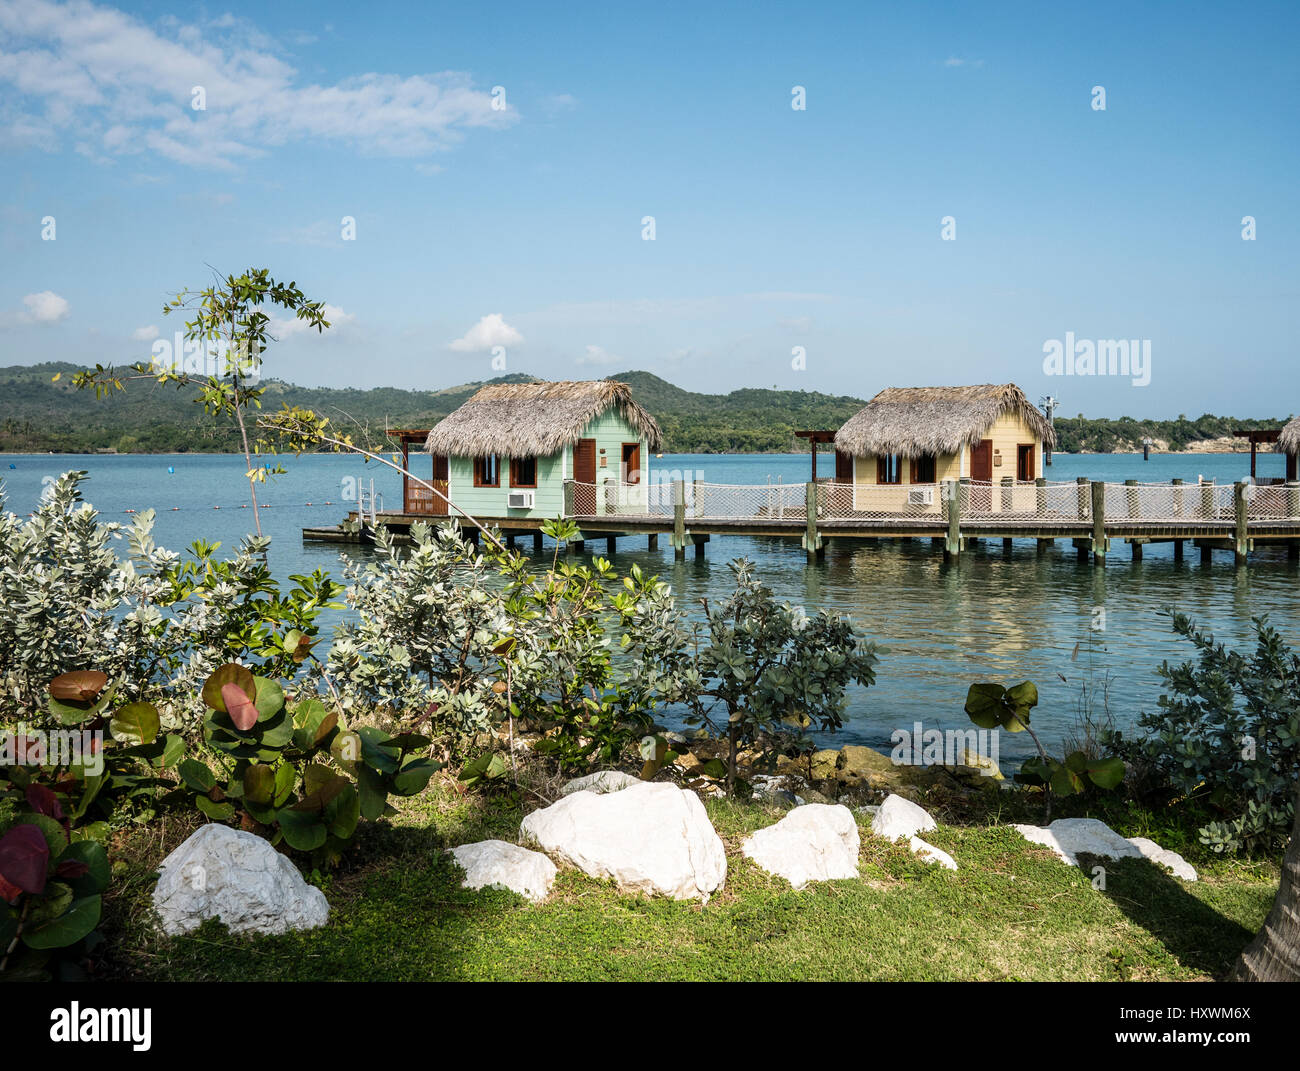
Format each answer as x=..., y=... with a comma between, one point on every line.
x=598, y=355
x=145, y=334
x=956, y=61
x=45, y=308
x=490, y=331
x=114, y=85
x=291, y=325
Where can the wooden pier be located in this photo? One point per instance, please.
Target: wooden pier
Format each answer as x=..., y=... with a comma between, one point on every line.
x=1090, y=515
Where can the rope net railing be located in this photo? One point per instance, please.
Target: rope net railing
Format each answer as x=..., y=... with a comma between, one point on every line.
x=1006, y=499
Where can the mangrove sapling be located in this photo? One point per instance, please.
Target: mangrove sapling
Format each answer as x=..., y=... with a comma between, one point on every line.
x=228, y=316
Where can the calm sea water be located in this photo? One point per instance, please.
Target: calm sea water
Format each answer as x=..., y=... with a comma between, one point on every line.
x=992, y=617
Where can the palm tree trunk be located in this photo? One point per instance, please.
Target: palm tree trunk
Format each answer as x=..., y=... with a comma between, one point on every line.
x=1274, y=954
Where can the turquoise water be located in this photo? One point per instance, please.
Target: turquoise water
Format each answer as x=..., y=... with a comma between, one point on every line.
x=992, y=617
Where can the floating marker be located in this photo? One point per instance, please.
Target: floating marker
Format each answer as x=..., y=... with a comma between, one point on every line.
x=171, y=470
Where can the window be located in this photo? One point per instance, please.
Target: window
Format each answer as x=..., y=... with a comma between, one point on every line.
x=487, y=471
x=923, y=469
x=1025, y=462
x=631, y=462
x=523, y=472
x=889, y=469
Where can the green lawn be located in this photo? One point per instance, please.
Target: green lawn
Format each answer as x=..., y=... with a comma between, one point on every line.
x=1011, y=912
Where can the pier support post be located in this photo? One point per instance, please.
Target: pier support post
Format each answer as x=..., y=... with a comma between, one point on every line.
x=699, y=541
x=1044, y=545
x=1082, y=548
x=1006, y=545
x=1206, y=550
x=1178, y=550
x=679, y=520
x=611, y=544
x=952, y=513
x=510, y=541
x=812, y=542
x=652, y=541
x=537, y=541
x=1293, y=551
x=1136, y=546
x=1241, y=540
x=1099, y=523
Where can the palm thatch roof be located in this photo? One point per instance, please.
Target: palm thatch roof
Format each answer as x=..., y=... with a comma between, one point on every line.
x=1288, y=439
x=920, y=421
x=535, y=419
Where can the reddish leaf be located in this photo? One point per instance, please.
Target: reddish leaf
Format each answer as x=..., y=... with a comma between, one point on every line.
x=9, y=892
x=24, y=857
x=242, y=710
x=72, y=869
x=43, y=801
x=79, y=686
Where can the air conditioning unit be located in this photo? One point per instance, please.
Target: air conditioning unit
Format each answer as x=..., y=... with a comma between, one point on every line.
x=920, y=496
x=521, y=499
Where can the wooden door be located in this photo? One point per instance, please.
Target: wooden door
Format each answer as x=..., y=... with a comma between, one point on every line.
x=843, y=467
x=438, y=507
x=981, y=474
x=584, y=461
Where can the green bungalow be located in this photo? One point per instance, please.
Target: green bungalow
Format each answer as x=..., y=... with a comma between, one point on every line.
x=520, y=450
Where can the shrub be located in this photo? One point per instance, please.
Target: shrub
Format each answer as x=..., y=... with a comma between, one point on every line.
x=1228, y=730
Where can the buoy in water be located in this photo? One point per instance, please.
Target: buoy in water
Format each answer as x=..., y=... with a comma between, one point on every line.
x=171, y=470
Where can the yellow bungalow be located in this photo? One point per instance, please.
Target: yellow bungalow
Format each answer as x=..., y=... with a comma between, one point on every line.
x=907, y=440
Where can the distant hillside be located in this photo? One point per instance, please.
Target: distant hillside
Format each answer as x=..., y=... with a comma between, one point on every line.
x=38, y=415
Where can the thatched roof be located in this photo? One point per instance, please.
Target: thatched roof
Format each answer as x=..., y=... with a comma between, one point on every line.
x=915, y=421
x=1289, y=439
x=534, y=419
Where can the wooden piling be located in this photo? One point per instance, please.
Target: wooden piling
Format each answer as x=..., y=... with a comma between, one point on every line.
x=611, y=544
x=679, y=520
x=652, y=541
x=537, y=541
x=1099, y=523
x=1241, y=538
x=952, y=513
x=812, y=543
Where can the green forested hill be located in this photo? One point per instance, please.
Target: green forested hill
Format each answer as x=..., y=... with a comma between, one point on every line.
x=37, y=414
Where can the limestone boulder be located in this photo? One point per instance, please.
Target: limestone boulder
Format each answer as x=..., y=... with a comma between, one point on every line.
x=499, y=864
x=900, y=819
x=236, y=877
x=930, y=854
x=604, y=781
x=650, y=837
x=814, y=842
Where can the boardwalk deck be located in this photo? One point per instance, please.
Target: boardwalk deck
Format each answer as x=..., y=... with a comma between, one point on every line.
x=1090, y=515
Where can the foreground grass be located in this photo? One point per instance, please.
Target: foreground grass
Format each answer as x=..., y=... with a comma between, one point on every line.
x=1012, y=911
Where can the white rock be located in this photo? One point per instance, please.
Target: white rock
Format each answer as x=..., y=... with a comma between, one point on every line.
x=815, y=842
x=651, y=837
x=1175, y=862
x=1067, y=837
x=502, y=865
x=898, y=819
x=239, y=878
x=930, y=854
x=604, y=781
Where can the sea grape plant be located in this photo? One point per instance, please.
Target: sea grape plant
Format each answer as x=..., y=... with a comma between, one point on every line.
x=293, y=772
x=992, y=706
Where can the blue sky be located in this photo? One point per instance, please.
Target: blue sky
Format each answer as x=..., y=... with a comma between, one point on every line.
x=774, y=228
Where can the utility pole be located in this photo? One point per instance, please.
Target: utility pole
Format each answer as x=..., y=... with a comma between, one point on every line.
x=1049, y=405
